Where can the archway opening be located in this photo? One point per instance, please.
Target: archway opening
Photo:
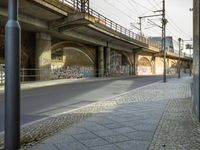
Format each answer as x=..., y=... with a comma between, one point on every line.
x=71, y=62
x=144, y=66
x=120, y=64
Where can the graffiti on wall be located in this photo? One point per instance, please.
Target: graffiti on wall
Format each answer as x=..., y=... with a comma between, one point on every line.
x=144, y=66
x=70, y=72
x=144, y=70
x=123, y=70
x=119, y=65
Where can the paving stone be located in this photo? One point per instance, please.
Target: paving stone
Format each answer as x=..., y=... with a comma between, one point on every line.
x=116, y=138
x=59, y=138
x=74, y=130
x=105, y=121
x=113, y=125
x=71, y=146
x=129, y=125
x=147, y=127
x=134, y=145
x=106, y=133
x=140, y=135
x=123, y=130
x=106, y=147
x=177, y=128
x=96, y=128
x=45, y=146
x=85, y=136
x=94, y=142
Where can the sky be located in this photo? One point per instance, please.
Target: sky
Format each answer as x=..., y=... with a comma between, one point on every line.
x=126, y=12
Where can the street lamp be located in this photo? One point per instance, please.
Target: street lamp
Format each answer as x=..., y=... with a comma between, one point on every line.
x=12, y=80
x=179, y=58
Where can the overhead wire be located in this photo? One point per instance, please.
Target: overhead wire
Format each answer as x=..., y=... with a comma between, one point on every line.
x=127, y=15
x=176, y=27
x=139, y=4
x=155, y=4
x=110, y=14
x=134, y=7
x=125, y=6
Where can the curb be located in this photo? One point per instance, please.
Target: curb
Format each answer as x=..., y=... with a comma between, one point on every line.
x=39, y=84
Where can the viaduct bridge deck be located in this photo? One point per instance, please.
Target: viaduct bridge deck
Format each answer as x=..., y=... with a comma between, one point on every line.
x=62, y=19
x=86, y=44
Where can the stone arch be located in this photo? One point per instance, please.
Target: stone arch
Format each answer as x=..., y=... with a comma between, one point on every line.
x=128, y=58
x=144, y=61
x=75, y=46
x=159, y=65
x=144, y=66
x=77, y=61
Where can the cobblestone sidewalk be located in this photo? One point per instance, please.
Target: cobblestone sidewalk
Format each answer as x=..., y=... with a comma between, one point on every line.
x=141, y=119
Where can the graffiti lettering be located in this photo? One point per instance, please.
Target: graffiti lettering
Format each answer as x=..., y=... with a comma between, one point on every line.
x=69, y=72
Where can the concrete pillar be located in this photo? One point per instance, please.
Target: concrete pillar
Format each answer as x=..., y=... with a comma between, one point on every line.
x=100, y=61
x=107, y=68
x=135, y=64
x=65, y=54
x=153, y=63
x=43, y=56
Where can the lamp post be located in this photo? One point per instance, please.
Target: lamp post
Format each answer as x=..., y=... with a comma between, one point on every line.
x=190, y=61
x=179, y=58
x=12, y=80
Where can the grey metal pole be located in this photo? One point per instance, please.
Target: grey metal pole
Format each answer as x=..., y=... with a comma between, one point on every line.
x=164, y=21
x=140, y=24
x=12, y=81
x=179, y=59
x=190, y=61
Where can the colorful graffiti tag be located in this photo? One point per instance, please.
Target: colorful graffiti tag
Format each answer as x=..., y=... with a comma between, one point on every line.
x=69, y=72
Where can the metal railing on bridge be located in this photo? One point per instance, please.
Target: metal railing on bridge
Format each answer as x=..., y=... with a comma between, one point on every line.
x=104, y=21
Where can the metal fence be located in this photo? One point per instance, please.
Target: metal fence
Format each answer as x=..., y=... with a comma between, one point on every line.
x=34, y=74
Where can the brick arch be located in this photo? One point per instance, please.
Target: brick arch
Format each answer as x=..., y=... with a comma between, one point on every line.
x=144, y=66
x=144, y=61
x=74, y=46
x=128, y=57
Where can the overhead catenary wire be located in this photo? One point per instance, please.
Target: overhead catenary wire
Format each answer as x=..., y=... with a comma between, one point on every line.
x=131, y=10
x=104, y=11
x=153, y=5
x=122, y=12
x=134, y=7
x=175, y=29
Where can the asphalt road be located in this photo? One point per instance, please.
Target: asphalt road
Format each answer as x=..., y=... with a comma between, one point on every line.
x=42, y=102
